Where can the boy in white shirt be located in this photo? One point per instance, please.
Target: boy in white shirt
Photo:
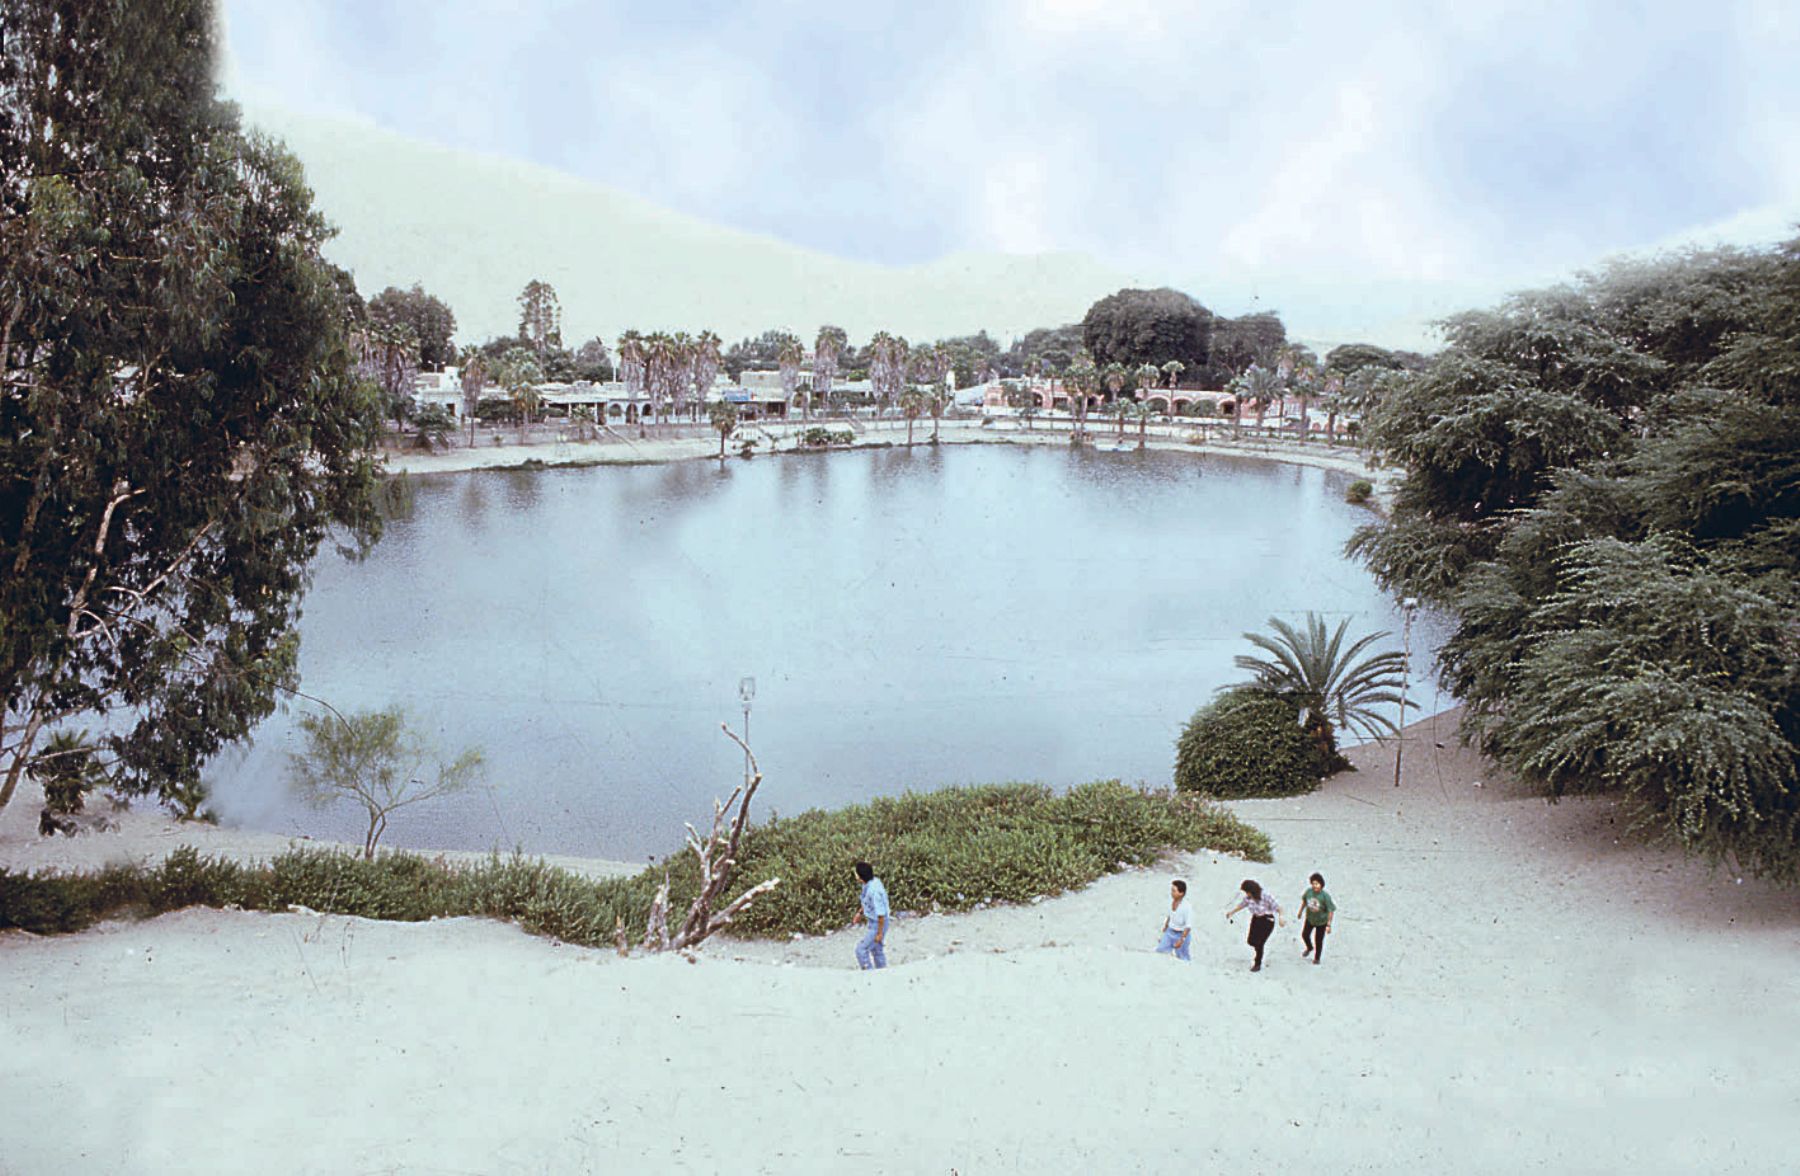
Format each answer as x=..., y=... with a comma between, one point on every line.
x=1178, y=928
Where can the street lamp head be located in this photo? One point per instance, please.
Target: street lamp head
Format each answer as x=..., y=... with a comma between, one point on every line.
x=746, y=690
x=1410, y=603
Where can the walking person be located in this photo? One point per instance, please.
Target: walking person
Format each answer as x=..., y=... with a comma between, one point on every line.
x=1318, y=909
x=1178, y=927
x=872, y=951
x=1264, y=911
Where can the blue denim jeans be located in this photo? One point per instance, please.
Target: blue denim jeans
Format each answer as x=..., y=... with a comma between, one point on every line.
x=869, y=953
x=1167, y=943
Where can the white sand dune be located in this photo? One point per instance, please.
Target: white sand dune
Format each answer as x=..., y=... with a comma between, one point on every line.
x=619, y=261
x=1513, y=986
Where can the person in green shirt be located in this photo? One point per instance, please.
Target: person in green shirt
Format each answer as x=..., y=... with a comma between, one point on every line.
x=1316, y=909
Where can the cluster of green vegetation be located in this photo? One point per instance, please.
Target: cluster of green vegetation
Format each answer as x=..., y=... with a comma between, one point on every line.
x=950, y=850
x=1248, y=744
x=819, y=437
x=1359, y=492
x=1602, y=486
x=541, y=898
x=959, y=848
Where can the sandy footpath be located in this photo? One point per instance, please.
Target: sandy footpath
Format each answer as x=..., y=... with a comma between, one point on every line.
x=1513, y=987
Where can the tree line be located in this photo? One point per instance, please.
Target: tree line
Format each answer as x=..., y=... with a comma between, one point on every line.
x=1602, y=489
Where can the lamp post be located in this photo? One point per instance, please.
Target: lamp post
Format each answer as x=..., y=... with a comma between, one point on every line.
x=1410, y=605
x=746, y=693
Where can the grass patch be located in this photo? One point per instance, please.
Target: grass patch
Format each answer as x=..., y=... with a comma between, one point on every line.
x=950, y=850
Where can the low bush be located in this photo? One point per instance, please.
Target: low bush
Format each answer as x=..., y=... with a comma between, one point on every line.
x=1247, y=743
x=949, y=850
x=1359, y=492
x=959, y=848
x=818, y=437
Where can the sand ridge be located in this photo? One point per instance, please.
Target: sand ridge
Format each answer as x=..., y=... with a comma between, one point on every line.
x=1513, y=986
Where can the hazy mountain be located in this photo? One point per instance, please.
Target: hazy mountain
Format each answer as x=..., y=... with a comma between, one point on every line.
x=474, y=229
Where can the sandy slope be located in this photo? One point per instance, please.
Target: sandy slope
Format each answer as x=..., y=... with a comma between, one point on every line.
x=1513, y=987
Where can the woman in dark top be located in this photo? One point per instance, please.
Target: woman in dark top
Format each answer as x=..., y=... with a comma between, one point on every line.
x=1264, y=911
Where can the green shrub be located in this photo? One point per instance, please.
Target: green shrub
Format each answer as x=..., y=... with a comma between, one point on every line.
x=959, y=848
x=953, y=850
x=1359, y=492
x=1247, y=743
x=819, y=437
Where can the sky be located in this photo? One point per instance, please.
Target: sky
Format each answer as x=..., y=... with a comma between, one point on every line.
x=1357, y=161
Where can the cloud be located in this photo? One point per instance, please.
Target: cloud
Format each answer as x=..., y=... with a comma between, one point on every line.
x=1235, y=143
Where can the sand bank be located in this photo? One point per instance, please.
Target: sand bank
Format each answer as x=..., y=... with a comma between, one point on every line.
x=1512, y=986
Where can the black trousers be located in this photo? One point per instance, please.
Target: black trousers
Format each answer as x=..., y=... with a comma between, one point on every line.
x=1261, y=927
x=1313, y=938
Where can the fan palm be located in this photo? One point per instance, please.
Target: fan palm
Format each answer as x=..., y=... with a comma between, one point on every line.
x=1334, y=686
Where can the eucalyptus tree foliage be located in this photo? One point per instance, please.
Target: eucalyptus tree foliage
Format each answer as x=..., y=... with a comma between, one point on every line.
x=179, y=425
x=540, y=318
x=431, y=321
x=1602, y=485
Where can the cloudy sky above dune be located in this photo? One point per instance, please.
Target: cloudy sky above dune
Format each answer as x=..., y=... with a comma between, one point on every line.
x=1262, y=151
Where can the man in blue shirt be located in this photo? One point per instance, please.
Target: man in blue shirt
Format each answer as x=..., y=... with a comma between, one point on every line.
x=872, y=952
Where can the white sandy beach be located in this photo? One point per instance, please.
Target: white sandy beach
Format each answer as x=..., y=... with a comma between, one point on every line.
x=1512, y=986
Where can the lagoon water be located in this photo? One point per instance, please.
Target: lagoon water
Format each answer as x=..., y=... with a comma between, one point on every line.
x=911, y=618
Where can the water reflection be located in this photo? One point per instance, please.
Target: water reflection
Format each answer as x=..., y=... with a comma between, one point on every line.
x=913, y=618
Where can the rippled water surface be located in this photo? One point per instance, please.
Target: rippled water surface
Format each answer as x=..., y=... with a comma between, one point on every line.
x=912, y=619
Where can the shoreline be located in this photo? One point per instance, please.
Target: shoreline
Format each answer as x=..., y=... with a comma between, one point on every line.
x=663, y=450
x=1582, y=984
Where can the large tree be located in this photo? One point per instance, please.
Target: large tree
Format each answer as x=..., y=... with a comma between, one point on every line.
x=1602, y=489
x=593, y=362
x=1239, y=342
x=1148, y=326
x=540, y=318
x=179, y=425
x=827, y=348
x=431, y=322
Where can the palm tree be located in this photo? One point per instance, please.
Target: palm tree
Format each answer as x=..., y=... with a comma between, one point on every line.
x=474, y=382
x=1331, y=686
x=913, y=403
x=1148, y=377
x=1080, y=381
x=790, y=353
x=1143, y=412
x=936, y=401
x=707, y=358
x=1114, y=376
x=1119, y=410
x=518, y=372
x=632, y=372
x=724, y=417
x=1173, y=370
x=1261, y=387
x=826, y=348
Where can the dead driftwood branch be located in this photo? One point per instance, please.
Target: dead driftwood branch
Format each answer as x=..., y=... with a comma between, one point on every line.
x=717, y=857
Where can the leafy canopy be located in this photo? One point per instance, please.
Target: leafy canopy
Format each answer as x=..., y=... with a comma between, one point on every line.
x=179, y=425
x=1602, y=486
